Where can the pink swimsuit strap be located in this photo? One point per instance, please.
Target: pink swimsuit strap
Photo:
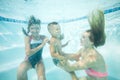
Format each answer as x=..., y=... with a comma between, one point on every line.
x=94, y=73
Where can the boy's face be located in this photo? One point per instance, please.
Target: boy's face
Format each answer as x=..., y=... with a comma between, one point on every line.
x=55, y=31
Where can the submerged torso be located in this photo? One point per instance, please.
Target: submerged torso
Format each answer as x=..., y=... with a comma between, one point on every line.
x=57, y=49
x=97, y=69
x=36, y=57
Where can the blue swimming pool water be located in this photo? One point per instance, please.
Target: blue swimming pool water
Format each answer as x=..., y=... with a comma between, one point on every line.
x=12, y=40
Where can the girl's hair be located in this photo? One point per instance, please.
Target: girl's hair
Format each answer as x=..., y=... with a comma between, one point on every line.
x=31, y=22
x=97, y=23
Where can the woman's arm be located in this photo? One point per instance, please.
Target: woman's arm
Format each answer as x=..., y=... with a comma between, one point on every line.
x=73, y=56
x=30, y=51
x=88, y=62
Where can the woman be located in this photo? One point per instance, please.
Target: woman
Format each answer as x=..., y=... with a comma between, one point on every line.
x=34, y=43
x=90, y=59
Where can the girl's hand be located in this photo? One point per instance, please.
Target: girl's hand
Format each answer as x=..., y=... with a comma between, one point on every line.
x=45, y=41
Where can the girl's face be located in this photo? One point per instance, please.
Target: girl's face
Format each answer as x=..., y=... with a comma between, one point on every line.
x=85, y=41
x=35, y=29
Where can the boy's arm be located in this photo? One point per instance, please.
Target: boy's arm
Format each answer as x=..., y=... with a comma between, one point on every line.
x=65, y=44
x=54, y=52
x=61, y=37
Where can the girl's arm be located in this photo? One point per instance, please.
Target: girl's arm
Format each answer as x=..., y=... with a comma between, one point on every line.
x=30, y=51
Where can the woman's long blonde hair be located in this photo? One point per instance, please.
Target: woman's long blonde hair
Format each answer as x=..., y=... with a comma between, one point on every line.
x=97, y=25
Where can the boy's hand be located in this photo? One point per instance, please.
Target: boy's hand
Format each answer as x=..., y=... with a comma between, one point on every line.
x=66, y=43
x=63, y=62
x=62, y=58
x=61, y=36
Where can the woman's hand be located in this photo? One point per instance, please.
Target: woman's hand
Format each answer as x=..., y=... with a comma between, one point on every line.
x=76, y=57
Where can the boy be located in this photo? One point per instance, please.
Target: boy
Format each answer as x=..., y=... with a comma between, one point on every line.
x=56, y=47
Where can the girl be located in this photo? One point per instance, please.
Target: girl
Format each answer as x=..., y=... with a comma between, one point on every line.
x=34, y=44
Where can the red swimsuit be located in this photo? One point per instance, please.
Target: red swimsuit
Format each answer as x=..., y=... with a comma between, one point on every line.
x=94, y=73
